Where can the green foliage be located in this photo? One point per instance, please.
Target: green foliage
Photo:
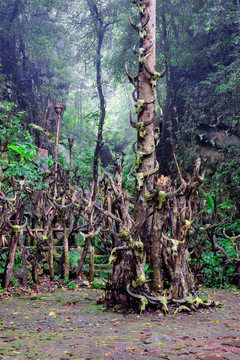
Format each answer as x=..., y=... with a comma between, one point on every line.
x=72, y=285
x=17, y=149
x=101, y=259
x=74, y=257
x=148, y=271
x=17, y=263
x=3, y=258
x=15, y=282
x=104, y=275
x=211, y=204
x=216, y=273
x=216, y=269
x=98, y=284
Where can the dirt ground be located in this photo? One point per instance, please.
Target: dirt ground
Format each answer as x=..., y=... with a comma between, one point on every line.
x=70, y=325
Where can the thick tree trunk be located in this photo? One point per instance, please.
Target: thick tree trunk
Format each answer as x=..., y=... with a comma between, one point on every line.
x=155, y=239
x=146, y=165
x=133, y=241
x=157, y=208
x=183, y=279
x=145, y=138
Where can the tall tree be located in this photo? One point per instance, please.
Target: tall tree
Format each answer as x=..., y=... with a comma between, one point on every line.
x=100, y=29
x=128, y=272
x=146, y=165
x=158, y=204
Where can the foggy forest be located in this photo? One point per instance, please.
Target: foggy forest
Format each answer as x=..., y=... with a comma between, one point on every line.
x=120, y=176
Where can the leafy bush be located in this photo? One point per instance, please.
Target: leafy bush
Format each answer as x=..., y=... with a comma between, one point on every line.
x=18, y=153
x=217, y=271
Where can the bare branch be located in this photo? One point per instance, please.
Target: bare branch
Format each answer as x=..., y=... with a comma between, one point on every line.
x=107, y=213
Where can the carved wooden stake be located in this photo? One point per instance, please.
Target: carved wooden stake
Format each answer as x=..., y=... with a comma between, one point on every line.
x=70, y=142
x=58, y=109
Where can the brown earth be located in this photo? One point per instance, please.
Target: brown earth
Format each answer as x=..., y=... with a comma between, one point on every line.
x=69, y=325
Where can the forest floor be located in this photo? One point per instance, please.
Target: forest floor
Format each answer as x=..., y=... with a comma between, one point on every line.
x=70, y=325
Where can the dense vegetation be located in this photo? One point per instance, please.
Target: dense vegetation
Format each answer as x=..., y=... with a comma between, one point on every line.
x=62, y=194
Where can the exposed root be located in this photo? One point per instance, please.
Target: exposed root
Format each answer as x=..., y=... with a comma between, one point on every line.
x=193, y=303
x=167, y=305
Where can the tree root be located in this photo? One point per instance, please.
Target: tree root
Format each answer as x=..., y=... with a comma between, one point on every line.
x=187, y=304
x=191, y=303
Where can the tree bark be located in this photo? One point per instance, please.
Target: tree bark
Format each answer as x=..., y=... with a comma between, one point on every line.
x=102, y=107
x=10, y=261
x=12, y=247
x=100, y=29
x=145, y=142
x=65, y=245
x=133, y=240
x=50, y=256
x=145, y=138
x=23, y=258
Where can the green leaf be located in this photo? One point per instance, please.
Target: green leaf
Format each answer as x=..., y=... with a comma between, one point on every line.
x=210, y=201
x=20, y=151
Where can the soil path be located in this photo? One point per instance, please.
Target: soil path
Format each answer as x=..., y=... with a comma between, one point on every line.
x=69, y=325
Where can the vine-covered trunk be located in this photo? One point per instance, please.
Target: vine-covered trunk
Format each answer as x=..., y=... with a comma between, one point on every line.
x=146, y=160
x=133, y=240
x=162, y=214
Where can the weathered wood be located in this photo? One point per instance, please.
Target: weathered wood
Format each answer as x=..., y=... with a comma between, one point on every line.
x=45, y=248
x=91, y=261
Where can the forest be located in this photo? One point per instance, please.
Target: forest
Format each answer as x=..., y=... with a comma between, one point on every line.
x=119, y=179
x=119, y=148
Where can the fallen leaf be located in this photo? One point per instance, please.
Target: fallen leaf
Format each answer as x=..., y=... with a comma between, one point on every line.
x=52, y=313
x=40, y=272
